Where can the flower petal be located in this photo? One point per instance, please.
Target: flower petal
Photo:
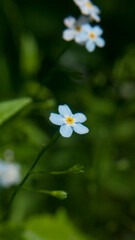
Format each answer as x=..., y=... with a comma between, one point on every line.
x=95, y=17
x=69, y=34
x=100, y=42
x=65, y=110
x=66, y=130
x=69, y=21
x=78, y=2
x=56, y=119
x=81, y=37
x=90, y=46
x=96, y=9
x=98, y=30
x=84, y=9
x=79, y=117
x=80, y=129
x=86, y=27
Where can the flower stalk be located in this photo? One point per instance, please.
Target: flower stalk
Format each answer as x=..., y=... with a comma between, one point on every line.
x=44, y=149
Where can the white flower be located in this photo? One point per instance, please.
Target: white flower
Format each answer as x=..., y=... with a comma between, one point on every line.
x=9, y=174
x=74, y=27
x=68, y=121
x=88, y=8
x=91, y=36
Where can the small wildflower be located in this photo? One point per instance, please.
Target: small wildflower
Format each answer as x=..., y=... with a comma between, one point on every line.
x=9, y=174
x=68, y=121
x=74, y=27
x=89, y=9
x=91, y=36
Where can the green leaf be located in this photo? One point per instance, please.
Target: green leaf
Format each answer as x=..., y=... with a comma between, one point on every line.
x=48, y=227
x=11, y=107
x=29, y=57
x=11, y=231
x=29, y=235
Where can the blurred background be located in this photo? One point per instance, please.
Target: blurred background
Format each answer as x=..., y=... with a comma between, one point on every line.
x=36, y=62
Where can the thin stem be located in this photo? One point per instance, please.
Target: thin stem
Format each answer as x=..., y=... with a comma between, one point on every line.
x=52, y=172
x=38, y=191
x=44, y=149
x=73, y=170
x=59, y=172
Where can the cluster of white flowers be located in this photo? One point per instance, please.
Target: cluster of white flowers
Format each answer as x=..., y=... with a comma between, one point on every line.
x=9, y=174
x=80, y=30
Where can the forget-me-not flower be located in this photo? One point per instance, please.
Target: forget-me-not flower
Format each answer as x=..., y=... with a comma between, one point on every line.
x=74, y=27
x=91, y=36
x=9, y=174
x=88, y=8
x=68, y=121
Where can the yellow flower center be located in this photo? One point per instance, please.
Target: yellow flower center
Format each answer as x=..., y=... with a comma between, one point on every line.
x=69, y=120
x=78, y=28
x=92, y=35
x=88, y=4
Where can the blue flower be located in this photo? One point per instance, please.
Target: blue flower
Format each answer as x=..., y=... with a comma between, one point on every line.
x=68, y=121
x=74, y=27
x=91, y=36
x=89, y=9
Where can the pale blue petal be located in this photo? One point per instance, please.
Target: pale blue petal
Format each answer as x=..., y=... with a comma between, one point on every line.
x=95, y=17
x=86, y=27
x=81, y=37
x=100, y=42
x=66, y=130
x=69, y=21
x=96, y=9
x=90, y=46
x=2, y=166
x=69, y=34
x=2, y=169
x=79, y=117
x=77, y=2
x=80, y=129
x=56, y=119
x=85, y=10
x=98, y=30
x=65, y=110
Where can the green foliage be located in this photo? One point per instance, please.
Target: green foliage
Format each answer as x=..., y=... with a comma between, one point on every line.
x=11, y=107
x=124, y=67
x=49, y=227
x=101, y=200
x=29, y=55
x=43, y=227
x=11, y=231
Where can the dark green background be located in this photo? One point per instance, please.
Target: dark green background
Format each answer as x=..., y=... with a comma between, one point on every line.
x=35, y=61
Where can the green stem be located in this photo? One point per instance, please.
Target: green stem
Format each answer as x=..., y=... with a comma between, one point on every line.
x=60, y=194
x=52, y=172
x=75, y=170
x=44, y=149
x=59, y=172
